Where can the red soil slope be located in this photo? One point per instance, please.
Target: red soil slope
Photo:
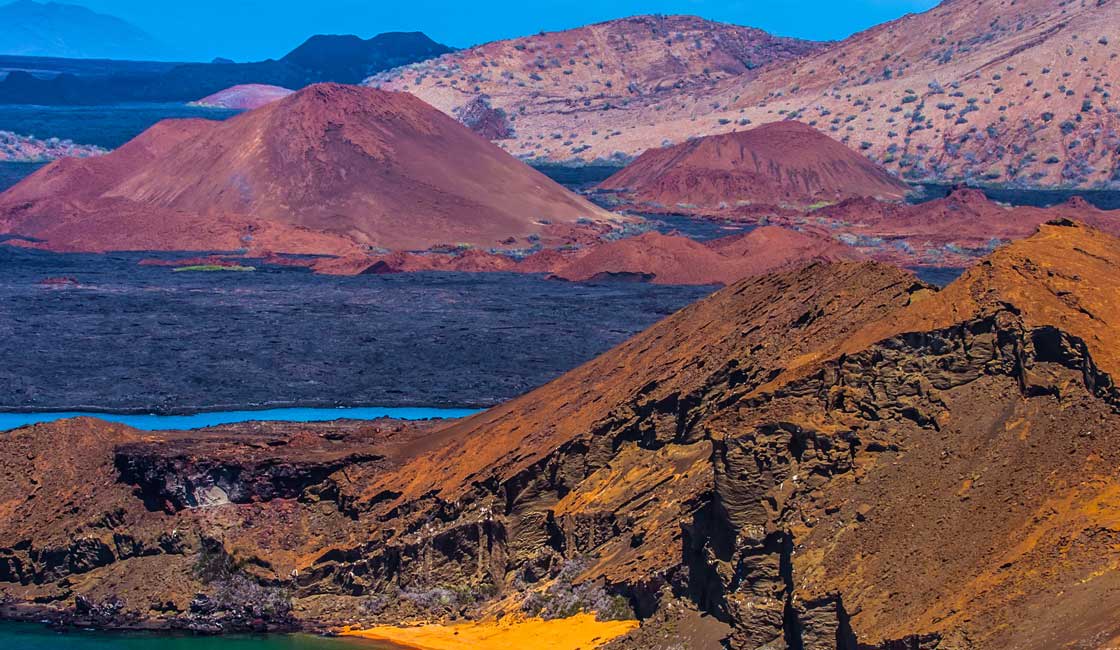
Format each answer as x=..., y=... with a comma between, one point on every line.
x=331, y=169
x=784, y=163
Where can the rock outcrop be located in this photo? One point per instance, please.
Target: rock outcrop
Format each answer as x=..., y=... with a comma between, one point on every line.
x=833, y=457
x=482, y=118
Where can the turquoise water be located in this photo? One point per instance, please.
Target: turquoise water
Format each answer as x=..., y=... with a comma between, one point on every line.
x=151, y=422
x=26, y=636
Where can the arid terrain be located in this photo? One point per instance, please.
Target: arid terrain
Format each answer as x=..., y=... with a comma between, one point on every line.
x=22, y=148
x=974, y=90
x=832, y=455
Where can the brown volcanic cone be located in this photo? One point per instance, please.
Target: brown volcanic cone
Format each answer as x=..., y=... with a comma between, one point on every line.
x=832, y=457
x=674, y=259
x=349, y=166
x=776, y=164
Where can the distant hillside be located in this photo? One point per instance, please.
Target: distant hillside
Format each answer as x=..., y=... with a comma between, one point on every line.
x=340, y=59
x=1015, y=93
x=562, y=89
x=349, y=59
x=22, y=148
x=32, y=28
x=244, y=97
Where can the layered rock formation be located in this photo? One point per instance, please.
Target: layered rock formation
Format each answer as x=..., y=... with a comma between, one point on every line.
x=332, y=169
x=833, y=457
x=780, y=164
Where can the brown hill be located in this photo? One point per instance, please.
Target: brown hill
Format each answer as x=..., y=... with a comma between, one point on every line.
x=784, y=163
x=831, y=457
x=330, y=169
x=673, y=259
x=557, y=86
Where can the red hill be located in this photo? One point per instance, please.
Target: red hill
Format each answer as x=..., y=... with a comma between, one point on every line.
x=330, y=169
x=784, y=163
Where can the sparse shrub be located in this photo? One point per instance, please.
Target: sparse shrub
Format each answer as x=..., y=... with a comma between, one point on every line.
x=563, y=599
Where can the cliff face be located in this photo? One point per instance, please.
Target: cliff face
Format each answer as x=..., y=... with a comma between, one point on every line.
x=832, y=457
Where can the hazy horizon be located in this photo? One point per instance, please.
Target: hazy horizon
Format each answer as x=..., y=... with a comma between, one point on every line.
x=260, y=29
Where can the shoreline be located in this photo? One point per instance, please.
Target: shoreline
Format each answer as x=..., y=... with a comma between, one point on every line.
x=160, y=411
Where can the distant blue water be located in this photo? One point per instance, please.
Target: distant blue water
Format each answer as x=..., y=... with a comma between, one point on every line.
x=938, y=275
x=698, y=229
x=151, y=422
x=104, y=126
x=13, y=172
x=26, y=636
